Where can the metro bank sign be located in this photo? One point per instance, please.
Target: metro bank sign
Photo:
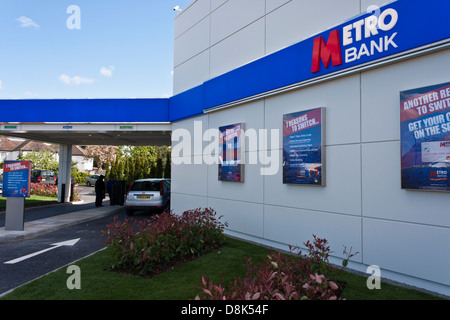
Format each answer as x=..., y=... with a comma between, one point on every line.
x=378, y=29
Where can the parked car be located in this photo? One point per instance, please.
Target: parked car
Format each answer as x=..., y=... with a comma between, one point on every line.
x=90, y=181
x=43, y=176
x=147, y=194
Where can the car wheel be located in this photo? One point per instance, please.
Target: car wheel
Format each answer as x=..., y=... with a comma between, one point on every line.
x=88, y=184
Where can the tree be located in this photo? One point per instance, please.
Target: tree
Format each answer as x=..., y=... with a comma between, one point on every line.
x=168, y=165
x=102, y=154
x=43, y=159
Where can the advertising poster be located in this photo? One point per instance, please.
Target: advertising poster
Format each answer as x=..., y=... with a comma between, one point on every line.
x=231, y=164
x=303, y=147
x=16, y=179
x=425, y=138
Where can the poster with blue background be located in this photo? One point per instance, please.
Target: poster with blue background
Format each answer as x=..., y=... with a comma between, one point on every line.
x=16, y=179
x=231, y=165
x=425, y=138
x=303, y=134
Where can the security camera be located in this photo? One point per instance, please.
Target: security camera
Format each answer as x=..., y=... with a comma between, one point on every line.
x=176, y=8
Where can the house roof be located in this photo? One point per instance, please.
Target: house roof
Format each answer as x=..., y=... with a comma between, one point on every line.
x=7, y=144
x=29, y=145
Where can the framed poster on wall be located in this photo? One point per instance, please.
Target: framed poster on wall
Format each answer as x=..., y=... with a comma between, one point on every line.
x=425, y=138
x=304, y=147
x=231, y=153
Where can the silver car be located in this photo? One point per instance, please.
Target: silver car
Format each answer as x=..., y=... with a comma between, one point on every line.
x=147, y=194
x=90, y=181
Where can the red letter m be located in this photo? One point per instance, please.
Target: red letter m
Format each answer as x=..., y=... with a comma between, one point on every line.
x=326, y=51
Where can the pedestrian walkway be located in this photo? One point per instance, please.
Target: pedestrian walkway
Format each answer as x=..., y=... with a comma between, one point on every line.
x=41, y=226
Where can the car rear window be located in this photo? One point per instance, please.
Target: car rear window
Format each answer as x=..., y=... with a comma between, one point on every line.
x=47, y=173
x=146, y=186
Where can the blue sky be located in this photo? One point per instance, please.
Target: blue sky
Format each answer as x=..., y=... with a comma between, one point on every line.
x=122, y=49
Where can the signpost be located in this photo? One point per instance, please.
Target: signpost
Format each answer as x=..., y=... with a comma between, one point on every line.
x=16, y=187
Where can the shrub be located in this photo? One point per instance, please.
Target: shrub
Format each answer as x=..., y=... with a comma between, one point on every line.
x=80, y=177
x=149, y=246
x=49, y=190
x=279, y=277
x=44, y=190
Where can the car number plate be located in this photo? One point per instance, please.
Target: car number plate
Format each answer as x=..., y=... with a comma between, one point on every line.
x=144, y=197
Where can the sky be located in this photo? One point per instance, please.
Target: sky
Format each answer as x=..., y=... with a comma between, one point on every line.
x=52, y=49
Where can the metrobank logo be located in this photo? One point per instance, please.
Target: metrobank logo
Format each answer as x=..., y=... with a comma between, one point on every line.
x=352, y=46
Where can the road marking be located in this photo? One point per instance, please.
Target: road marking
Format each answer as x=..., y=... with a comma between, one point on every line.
x=54, y=246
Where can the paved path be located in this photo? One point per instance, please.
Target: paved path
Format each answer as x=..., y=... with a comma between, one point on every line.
x=41, y=220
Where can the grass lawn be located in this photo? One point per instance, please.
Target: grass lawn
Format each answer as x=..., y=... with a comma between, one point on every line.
x=33, y=200
x=180, y=283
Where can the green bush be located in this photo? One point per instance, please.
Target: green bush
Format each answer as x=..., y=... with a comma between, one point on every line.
x=80, y=177
x=148, y=246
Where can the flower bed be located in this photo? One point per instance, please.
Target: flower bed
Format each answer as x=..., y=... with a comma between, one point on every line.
x=44, y=190
x=148, y=246
x=280, y=277
x=49, y=190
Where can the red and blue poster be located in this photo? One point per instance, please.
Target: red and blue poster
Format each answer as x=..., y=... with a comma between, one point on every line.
x=303, y=147
x=231, y=165
x=425, y=138
x=16, y=179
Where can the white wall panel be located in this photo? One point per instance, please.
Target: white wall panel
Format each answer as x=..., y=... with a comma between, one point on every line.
x=300, y=19
x=252, y=114
x=240, y=48
x=366, y=4
x=274, y=4
x=418, y=250
x=193, y=131
x=342, y=103
x=383, y=197
x=244, y=217
x=192, y=42
x=191, y=15
x=295, y=226
x=216, y=3
x=380, y=92
x=342, y=191
x=251, y=190
x=180, y=202
x=191, y=73
x=234, y=15
x=189, y=176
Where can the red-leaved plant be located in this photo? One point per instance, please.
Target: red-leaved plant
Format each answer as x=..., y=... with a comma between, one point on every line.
x=278, y=277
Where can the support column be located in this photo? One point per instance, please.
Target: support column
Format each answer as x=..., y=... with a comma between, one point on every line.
x=65, y=165
x=15, y=212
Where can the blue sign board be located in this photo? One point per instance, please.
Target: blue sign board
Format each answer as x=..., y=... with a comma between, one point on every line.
x=425, y=137
x=231, y=166
x=16, y=179
x=303, y=147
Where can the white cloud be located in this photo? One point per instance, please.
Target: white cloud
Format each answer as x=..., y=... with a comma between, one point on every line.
x=1, y=85
x=107, y=71
x=75, y=80
x=31, y=94
x=27, y=22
